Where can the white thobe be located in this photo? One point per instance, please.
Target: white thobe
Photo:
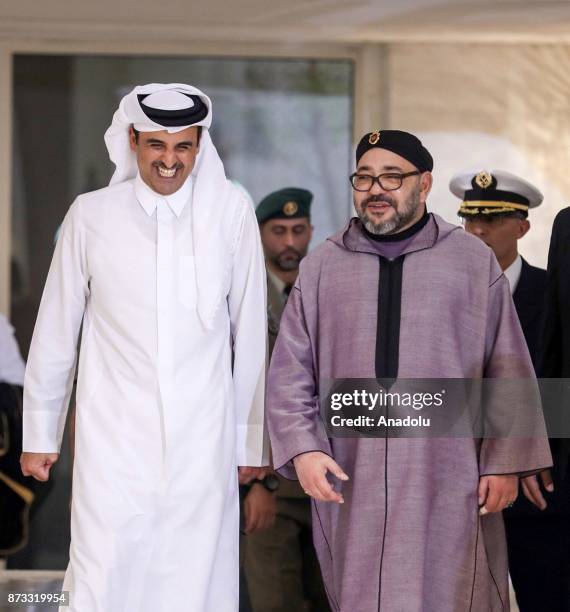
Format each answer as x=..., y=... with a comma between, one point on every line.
x=163, y=419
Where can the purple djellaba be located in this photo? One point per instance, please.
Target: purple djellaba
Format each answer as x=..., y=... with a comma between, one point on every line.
x=412, y=524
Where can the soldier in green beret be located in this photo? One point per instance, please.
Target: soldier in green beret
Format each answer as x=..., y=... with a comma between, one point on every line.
x=285, y=227
x=282, y=570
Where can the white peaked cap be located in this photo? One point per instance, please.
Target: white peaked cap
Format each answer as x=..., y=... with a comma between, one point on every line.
x=486, y=191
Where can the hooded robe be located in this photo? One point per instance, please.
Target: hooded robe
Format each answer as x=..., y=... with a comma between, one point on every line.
x=408, y=537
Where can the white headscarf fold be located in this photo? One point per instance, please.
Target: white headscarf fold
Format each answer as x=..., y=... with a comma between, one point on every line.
x=213, y=199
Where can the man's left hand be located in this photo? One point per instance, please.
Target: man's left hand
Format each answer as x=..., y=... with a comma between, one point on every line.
x=246, y=474
x=532, y=491
x=260, y=509
x=497, y=492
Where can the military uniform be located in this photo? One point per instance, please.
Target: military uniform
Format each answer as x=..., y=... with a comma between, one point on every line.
x=281, y=566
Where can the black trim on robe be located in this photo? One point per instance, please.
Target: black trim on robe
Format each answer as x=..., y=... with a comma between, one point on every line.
x=387, y=352
x=389, y=310
x=390, y=301
x=388, y=357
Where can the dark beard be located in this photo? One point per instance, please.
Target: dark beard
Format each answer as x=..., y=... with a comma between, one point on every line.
x=286, y=264
x=401, y=217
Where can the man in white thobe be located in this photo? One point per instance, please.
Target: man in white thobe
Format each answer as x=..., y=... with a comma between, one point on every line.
x=165, y=270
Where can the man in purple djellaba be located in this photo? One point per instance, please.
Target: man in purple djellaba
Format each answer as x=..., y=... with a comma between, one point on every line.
x=407, y=524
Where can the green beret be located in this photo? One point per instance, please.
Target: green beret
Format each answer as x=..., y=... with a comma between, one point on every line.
x=288, y=203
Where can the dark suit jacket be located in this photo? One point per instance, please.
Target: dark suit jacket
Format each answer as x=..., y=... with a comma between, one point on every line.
x=554, y=356
x=555, y=362
x=529, y=302
x=531, y=306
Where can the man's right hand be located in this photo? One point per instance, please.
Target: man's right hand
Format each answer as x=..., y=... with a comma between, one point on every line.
x=312, y=471
x=38, y=465
x=259, y=508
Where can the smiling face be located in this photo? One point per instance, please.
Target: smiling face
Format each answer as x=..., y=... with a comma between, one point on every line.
x=165, y=160
x=389, y=212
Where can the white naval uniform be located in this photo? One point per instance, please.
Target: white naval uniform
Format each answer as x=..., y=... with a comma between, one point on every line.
x=161, y=422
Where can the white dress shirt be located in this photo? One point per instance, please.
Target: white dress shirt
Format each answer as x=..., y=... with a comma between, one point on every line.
x=513, y=273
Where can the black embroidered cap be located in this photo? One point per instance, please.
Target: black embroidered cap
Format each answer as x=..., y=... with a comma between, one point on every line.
x=404, y=144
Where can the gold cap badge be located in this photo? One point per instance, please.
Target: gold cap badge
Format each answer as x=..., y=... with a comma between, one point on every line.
x=374, y=137
x=484, y=180
x=290, y=208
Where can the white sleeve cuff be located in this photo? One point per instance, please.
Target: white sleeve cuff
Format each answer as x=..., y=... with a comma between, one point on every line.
x=42, y=431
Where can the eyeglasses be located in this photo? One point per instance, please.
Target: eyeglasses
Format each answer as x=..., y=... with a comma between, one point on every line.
x=390, y=181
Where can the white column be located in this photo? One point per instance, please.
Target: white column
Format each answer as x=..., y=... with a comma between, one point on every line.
x=371, y=90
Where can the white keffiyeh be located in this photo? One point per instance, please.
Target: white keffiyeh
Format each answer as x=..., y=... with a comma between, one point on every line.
x=214, y=198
